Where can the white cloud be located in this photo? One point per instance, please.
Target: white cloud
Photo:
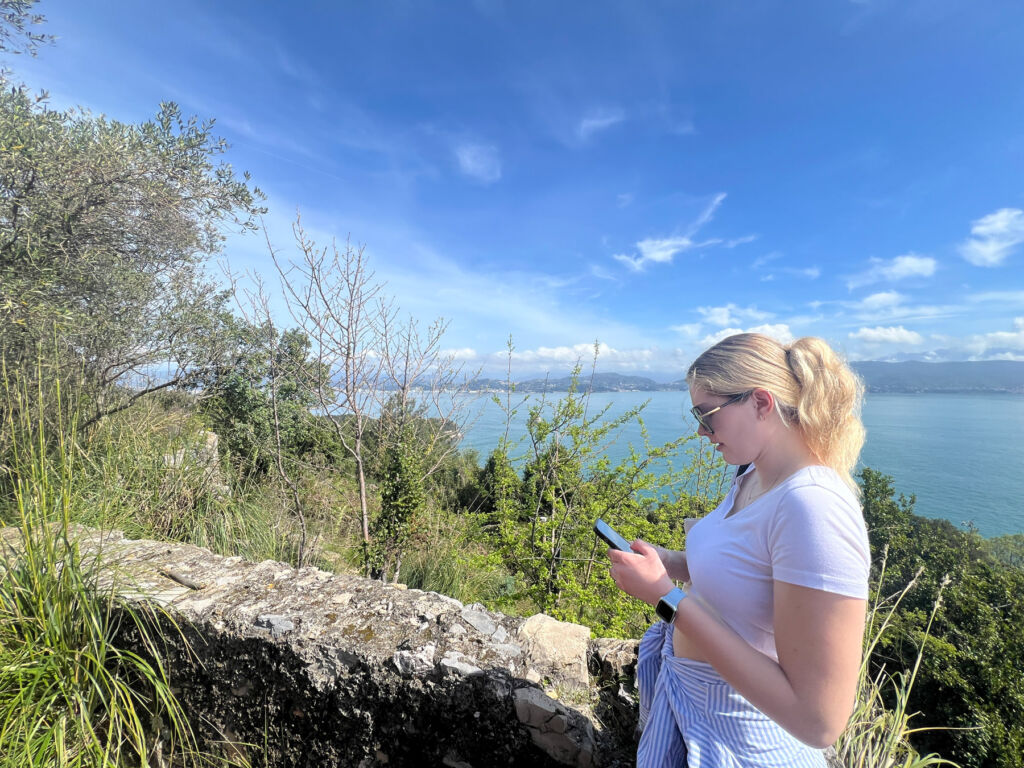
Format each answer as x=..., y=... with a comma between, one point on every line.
x=731, y=314
x=663, y=250
x=565, y=356
x=479, y=161
x=890, y=335
x=884, y=300
x=624, y=200
x=687, y=329
x=998, y=342
x=597, y=121
x=907, y=265
x=465, y=353
x=659, y=251
x=994, y=237
x=778, y=331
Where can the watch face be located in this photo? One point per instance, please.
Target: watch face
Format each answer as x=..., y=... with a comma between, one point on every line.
x=665, y=610
x=666, y=607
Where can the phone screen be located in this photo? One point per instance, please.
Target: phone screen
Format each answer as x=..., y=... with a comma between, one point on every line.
x=614, y=540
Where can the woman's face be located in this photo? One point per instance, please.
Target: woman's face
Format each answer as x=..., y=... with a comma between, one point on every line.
x=734, y=425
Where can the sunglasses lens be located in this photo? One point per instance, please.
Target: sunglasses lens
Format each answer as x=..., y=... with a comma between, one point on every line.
x=700, y=418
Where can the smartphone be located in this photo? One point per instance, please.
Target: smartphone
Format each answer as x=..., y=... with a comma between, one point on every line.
x=606, y=532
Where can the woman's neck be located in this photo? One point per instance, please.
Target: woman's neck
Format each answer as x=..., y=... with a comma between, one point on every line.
x=782, y=457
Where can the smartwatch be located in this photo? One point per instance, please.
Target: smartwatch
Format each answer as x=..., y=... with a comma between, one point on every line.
x=667, y=606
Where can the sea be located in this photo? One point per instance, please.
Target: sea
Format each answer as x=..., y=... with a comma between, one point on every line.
x=960, y=455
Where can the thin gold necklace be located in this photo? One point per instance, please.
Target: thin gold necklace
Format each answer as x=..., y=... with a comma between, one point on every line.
x=751, y=497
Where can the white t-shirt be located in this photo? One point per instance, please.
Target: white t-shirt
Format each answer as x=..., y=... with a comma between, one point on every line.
x=808, y=530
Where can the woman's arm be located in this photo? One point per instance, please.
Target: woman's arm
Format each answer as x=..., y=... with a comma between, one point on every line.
x=810, y=690
x=674, y=561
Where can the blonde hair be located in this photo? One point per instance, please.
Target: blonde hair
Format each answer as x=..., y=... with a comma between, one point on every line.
x=815, y=390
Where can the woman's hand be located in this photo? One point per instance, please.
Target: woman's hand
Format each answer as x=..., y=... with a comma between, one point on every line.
x=640, y=573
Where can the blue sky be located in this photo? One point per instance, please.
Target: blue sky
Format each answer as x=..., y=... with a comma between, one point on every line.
x=650, y=175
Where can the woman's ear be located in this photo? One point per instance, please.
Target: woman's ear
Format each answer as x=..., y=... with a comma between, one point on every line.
x=764, y=403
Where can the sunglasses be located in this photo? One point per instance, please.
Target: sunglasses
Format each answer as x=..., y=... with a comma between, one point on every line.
x=704, y=418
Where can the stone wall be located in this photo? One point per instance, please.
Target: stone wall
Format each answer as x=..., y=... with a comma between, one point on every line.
x=320, y=669
x=300, y=667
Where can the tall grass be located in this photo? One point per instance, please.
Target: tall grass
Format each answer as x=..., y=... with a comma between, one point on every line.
x=445, y=558
x=70, y=694
x=149, y=472
x=878, y=735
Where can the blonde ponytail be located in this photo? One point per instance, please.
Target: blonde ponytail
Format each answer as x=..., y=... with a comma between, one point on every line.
x=815, y=391
x=828, y=405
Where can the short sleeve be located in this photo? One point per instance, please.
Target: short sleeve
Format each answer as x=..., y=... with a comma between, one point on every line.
x=818, y=539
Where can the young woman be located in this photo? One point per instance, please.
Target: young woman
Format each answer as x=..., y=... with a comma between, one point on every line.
x=757, y=661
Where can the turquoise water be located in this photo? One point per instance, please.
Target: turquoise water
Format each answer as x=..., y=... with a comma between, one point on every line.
x=962, y=455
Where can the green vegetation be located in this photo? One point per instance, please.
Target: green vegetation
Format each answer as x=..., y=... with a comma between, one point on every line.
x=335, y=443
x=968, y=678
x=71, y=693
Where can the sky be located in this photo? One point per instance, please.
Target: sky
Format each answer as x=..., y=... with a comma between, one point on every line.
x=649, y=176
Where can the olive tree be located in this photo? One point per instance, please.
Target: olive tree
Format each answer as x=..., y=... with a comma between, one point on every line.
x=17, y=27
x=104, y=230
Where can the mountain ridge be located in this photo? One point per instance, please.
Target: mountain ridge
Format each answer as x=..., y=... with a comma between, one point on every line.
x=911, y=376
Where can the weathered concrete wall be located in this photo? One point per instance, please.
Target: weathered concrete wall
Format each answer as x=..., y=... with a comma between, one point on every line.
x=319, y=669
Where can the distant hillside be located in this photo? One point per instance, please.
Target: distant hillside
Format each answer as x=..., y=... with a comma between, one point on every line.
x=911, y=376
x=600, y=382
x=914, y=376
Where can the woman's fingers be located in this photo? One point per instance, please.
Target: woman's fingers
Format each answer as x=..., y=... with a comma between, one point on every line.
x=639, y=573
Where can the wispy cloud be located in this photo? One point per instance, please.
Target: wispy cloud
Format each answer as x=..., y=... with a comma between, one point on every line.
x=707, y=214
x=890, y=306
x=887, y=335
x=907, y=265
x=689, y=330
x=660, y=251
x=811, y=273
x=731, y=314
x=480, y=162
x=761, y=263
x=739, y=241
x=663, y=250
x=1000, y=297
x=994, y=237
x=597, y=121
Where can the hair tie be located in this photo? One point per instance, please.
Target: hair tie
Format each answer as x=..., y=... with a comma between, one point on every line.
x=792, y=370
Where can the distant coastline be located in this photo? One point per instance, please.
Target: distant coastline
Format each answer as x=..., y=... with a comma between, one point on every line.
x=910, y=377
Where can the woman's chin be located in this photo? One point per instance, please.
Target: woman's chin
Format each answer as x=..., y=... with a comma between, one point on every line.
x=727, y=455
